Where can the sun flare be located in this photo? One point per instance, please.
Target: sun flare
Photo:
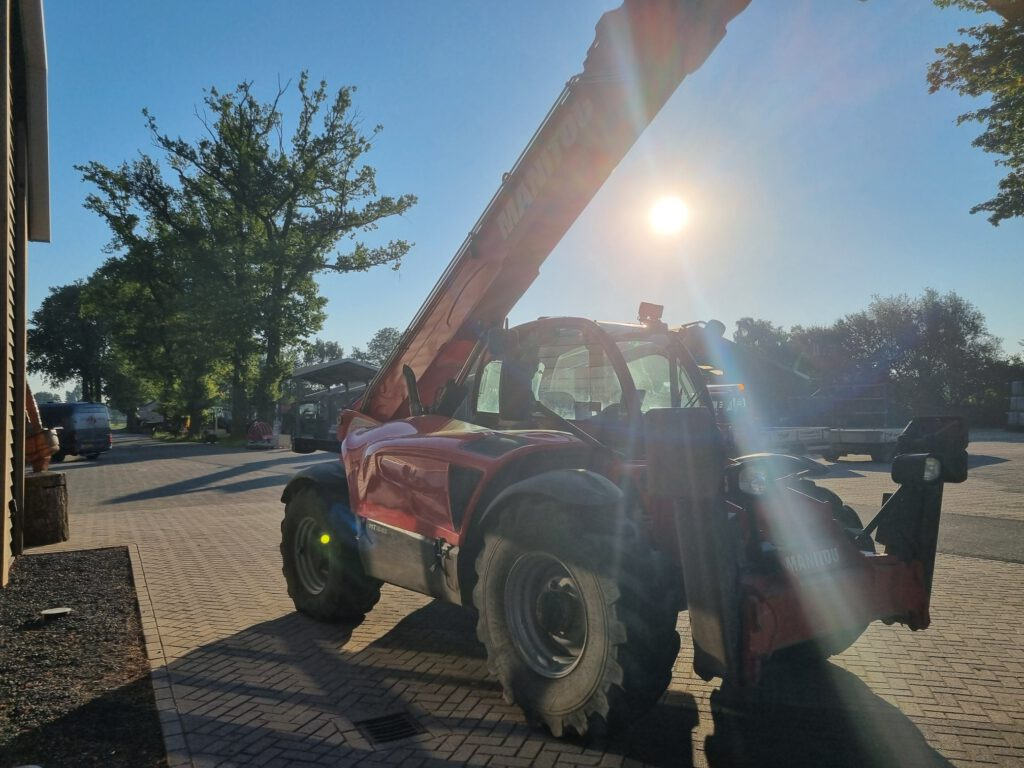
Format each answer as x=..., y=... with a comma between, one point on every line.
x=669, y=215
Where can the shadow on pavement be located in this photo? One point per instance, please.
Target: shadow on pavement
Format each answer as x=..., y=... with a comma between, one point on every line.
x=288, y=692
x=294, y=690
x=214, y=480
x=814, y=715
x=847, y=469
x=975, y=460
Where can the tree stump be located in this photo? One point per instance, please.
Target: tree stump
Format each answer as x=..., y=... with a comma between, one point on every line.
x=46, y=509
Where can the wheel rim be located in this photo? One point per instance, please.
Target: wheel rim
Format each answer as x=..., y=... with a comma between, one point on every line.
x=546, y=614
x=311, y=556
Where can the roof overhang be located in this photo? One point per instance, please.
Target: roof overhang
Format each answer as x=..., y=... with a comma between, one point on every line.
x=344, y=370
x=37, y=119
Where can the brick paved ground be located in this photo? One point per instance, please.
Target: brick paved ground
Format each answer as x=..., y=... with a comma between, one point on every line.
x=243, y=680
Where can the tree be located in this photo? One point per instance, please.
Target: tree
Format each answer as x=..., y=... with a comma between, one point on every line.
x=66, y=341
x=769, y=339
x=264, y=214
x=161, y=303
x=991, y=65
x=379, y=347
x=934, y=352
x=46, y=397
x=320, y=351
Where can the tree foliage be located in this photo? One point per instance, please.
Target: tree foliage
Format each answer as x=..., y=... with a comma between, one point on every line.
x=762, y=335
x=320, y=351
x=225, y=236
x=934, y=351
x=66, y=341
x=991, y=66
x=379, y=347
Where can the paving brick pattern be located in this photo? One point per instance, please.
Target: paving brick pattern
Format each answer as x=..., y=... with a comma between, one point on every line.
x=241, y=679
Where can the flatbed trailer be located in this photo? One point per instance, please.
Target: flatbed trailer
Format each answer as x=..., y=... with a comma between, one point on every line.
x=832, y=443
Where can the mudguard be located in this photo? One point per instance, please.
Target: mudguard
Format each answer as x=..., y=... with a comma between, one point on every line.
x=570, y=487
x=329, y=477
x=776, y=465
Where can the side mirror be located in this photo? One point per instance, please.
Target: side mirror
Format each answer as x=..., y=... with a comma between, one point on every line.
x=943, y=438
x=415, y=406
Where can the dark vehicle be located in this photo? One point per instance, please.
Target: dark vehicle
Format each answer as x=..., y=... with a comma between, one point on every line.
x=339, y=384
x=82, y=428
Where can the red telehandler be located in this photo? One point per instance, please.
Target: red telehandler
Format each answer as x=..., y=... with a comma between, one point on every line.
x=566, y=478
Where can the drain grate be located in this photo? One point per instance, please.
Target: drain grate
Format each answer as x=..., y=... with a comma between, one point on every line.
x=380, y=730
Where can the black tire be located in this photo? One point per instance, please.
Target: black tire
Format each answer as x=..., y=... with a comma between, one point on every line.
x=92, y=456
x=325, y=579
x=579, y=624
x=58, y=457
x=830, y=456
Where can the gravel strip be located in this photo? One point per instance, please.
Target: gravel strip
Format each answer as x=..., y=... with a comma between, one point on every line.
x=75, y=689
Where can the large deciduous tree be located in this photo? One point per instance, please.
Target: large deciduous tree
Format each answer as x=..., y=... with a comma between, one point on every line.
x=991, y=66
x=256, y=215
x=66, y=341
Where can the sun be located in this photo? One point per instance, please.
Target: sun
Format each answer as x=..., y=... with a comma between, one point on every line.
x=669, y=215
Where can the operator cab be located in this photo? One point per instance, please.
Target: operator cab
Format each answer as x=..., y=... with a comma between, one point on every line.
x=592, y=379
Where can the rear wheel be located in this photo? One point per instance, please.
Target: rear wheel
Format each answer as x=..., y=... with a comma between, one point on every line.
x=58, y=457
x=579, y=624
x=321, y=563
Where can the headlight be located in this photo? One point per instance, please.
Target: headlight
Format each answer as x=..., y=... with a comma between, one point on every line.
x=753, y=481
x=916, y=468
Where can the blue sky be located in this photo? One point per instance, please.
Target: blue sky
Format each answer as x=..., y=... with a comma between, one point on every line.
x=818, y=169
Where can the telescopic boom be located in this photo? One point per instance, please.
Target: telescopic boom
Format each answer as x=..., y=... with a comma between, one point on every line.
x=641, y=52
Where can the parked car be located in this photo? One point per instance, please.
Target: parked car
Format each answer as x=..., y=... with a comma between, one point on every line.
x=83, y=428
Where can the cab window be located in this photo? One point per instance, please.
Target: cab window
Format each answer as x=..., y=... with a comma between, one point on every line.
x=651, y=369
x=576, y=379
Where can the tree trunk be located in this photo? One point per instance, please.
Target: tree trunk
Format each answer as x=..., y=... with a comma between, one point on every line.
x=195, y=420
x=46, y=509
x=239, y=399
x=269, y=379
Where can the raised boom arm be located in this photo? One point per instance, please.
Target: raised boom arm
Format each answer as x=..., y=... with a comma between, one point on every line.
x=641, y=52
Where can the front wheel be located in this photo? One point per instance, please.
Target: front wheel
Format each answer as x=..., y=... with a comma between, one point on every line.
x=321, y=562
x=579, y=625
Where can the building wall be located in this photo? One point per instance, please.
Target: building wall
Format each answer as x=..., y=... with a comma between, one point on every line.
x=7, y=209
x=23, y=164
